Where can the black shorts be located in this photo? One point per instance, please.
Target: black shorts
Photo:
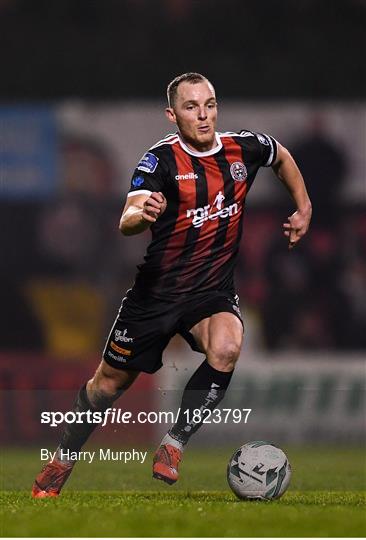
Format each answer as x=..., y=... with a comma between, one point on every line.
x=143, y=328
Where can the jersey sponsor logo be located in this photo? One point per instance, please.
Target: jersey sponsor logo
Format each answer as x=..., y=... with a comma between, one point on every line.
x=115, y=347
x=148, y=163
x=219, y=199
x=138, y=181
x=188, y=176
x=119, y=336
x=238, y=171
x=212, y=212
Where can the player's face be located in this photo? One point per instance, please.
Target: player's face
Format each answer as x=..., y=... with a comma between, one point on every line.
x=195, y=113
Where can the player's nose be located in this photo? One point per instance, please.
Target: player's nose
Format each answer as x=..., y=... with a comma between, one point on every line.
x=202, y=114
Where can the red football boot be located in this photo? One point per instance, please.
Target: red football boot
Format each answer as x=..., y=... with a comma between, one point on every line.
x=50, y=480
x=166, y=462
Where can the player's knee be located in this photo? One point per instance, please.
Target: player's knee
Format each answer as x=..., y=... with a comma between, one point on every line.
x=109, y=382
x=101, y=392
x=106, y=386
x=223, y=357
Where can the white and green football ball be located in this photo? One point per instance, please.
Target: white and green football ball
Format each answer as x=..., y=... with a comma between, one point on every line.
x=259, y=470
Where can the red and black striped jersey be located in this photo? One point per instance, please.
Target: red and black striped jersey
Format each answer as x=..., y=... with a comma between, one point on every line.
x=195, y=242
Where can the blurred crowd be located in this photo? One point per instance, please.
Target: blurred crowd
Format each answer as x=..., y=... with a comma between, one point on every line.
x=313, y=297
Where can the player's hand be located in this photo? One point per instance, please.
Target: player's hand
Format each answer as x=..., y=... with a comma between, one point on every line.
x=296, y=226
x=154, y=207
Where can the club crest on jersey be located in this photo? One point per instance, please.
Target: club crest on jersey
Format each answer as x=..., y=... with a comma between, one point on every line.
x=148, y=163
x=238, y=171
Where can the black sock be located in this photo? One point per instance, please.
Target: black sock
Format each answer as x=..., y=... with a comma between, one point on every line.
x=204, y=390
x=76, y=434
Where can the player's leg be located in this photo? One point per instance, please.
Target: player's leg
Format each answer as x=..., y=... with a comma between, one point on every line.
x=220, y=338
x=97, y=394
x=135, y=344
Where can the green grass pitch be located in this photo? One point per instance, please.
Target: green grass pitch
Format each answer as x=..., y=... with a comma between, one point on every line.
x=326, y=498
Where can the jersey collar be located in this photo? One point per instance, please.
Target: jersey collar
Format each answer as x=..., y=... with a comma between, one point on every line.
x=211, y=152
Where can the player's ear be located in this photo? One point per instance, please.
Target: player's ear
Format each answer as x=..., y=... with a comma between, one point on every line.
x=170, y=114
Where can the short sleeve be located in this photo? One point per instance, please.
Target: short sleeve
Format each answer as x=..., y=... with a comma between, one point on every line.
x=148, y=176
x=265, y=148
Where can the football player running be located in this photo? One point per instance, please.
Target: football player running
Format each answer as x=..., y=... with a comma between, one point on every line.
x=189, y=189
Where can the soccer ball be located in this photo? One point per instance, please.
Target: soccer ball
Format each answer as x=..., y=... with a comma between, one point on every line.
x=259, y=470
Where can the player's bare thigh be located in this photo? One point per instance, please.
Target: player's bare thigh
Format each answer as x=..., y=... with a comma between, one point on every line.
x=220, y=337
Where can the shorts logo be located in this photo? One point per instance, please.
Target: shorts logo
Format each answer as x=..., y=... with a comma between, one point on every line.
x=148, y=163
x=188, y=176
x=238, y=171
x=138, y=181
x=117, y=358
x=122, y=337
x=115, y=347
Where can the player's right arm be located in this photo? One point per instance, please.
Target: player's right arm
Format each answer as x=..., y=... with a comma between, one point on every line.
x=140, y=212
x=145, y=200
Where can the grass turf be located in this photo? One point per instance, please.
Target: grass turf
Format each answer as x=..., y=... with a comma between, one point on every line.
x=325, y=498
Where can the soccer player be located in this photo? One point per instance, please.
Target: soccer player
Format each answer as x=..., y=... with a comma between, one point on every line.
x=190, y=190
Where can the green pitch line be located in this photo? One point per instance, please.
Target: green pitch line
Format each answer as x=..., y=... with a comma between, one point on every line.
x=183, y=514
x=326, y=498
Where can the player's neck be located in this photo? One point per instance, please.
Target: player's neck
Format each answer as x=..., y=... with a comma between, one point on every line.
x=196, y=147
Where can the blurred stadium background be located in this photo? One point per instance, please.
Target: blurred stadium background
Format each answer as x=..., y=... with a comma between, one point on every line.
x=81, y=99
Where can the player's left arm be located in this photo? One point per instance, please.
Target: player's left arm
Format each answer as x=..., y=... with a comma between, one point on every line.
x=288, y=172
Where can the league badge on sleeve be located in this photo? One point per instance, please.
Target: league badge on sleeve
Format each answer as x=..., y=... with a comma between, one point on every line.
x=138, y=181
x=148, y=163
x=263, y=139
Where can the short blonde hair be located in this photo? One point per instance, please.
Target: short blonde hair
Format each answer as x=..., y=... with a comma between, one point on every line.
x=190, y=77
